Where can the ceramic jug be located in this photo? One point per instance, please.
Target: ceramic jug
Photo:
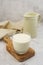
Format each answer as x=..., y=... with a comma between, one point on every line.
x=30, y=23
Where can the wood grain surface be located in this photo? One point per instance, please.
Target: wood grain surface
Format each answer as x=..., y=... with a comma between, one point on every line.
x=20, y=57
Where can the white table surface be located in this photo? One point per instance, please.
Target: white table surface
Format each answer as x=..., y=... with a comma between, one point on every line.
x=36, y=44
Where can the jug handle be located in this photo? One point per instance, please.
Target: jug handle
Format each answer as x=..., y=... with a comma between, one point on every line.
x=39, y=19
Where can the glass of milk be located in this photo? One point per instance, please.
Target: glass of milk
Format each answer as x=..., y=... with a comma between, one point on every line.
x=21, y=43
x=30, y=23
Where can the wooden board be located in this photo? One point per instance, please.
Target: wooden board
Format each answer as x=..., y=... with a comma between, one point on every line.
x=30, y=53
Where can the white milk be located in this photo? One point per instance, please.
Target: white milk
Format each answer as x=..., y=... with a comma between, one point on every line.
x=21, y=42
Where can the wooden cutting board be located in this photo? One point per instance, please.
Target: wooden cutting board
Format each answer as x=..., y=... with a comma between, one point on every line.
x=20, y=57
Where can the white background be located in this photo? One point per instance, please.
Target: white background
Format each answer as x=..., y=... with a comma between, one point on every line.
x=15, y=9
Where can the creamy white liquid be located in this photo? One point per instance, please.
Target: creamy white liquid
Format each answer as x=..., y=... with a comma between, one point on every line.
x=21, y=42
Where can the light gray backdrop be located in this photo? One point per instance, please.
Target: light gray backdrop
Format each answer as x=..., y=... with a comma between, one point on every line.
x=15, y=9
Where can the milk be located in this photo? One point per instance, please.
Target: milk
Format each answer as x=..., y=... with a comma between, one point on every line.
x=21, y=42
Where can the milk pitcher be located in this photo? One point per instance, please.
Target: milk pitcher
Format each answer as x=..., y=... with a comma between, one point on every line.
x=30, y=23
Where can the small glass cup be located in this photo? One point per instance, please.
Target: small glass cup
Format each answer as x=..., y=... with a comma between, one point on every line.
x=21, y=42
